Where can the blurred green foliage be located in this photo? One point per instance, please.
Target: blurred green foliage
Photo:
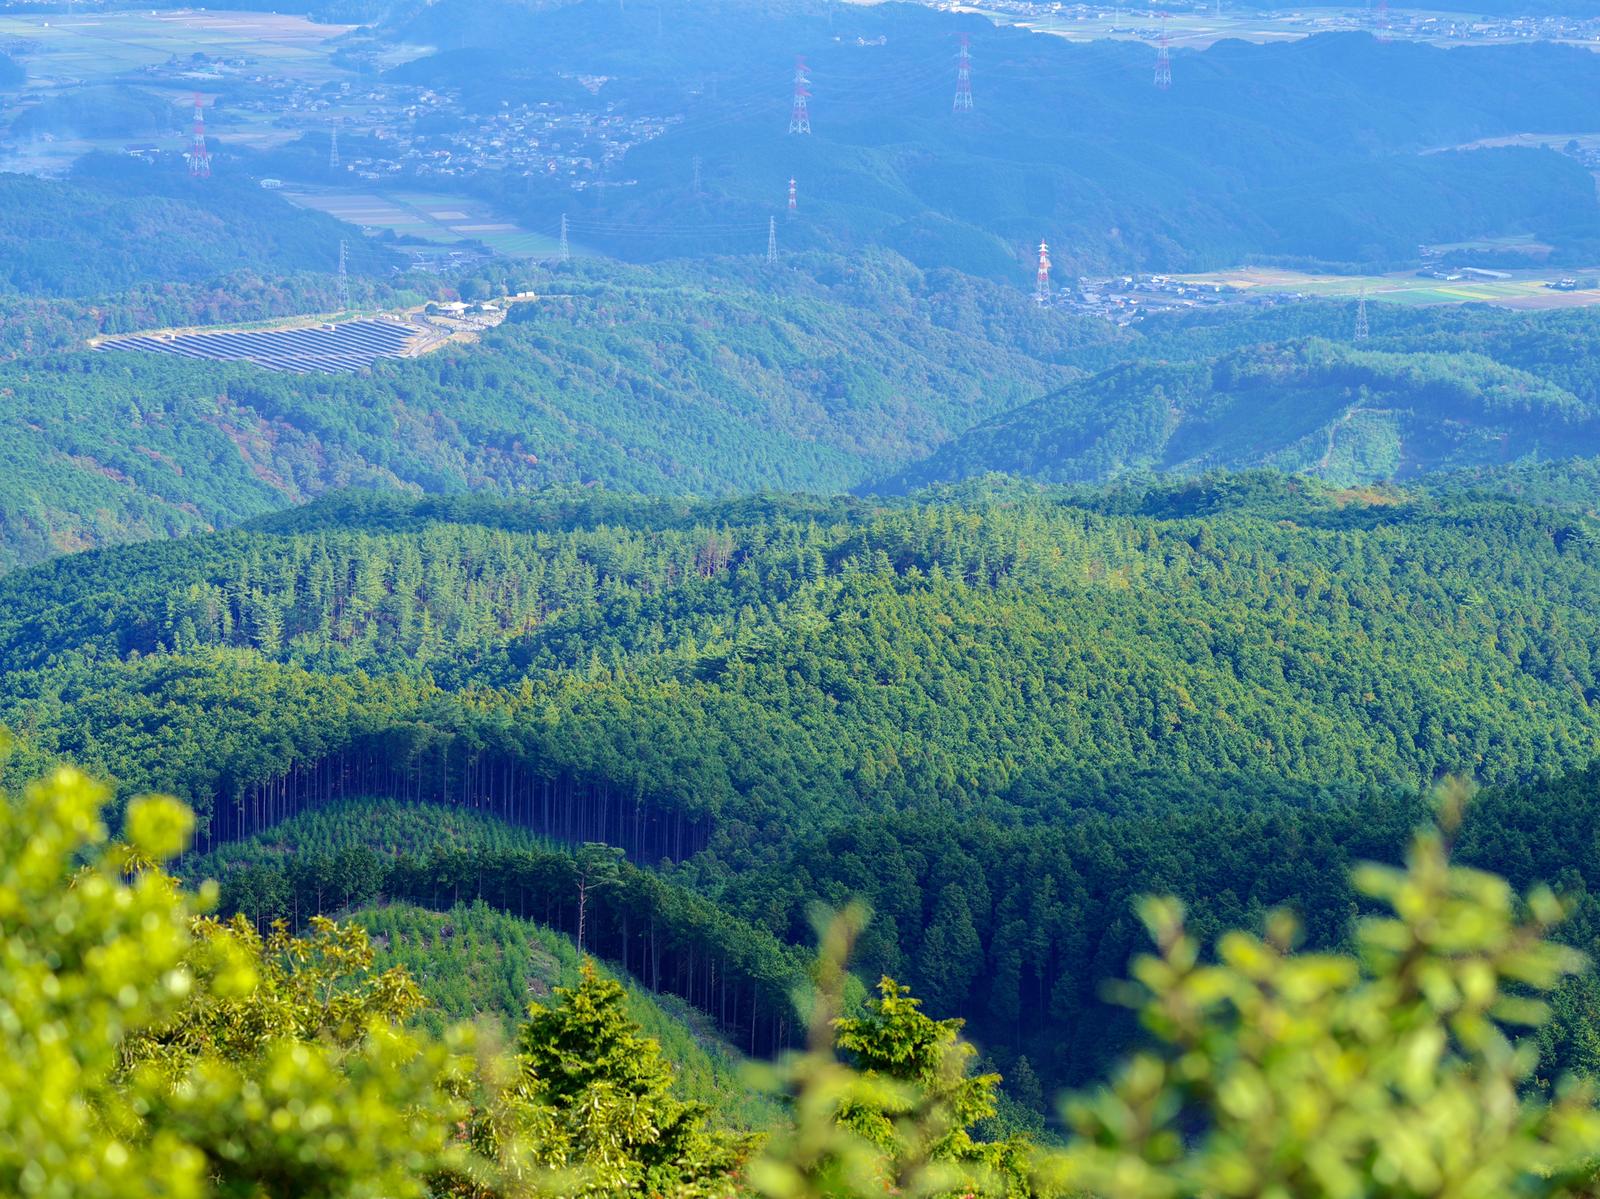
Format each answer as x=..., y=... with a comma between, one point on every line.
x=148, y=1050
x=1390, y=1073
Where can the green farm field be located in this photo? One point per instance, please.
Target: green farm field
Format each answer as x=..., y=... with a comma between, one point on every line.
x=445, y=219
x=1523, y=289
x=59, y=49
x=1198, y=30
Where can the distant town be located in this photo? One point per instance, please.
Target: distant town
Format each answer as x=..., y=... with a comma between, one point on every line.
x=392, y=131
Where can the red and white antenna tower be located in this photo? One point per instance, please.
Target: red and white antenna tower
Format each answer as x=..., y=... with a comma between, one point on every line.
x=199, y=156
x=800, y=114
x=1382, y=21
x=1041, y=288
x=964, y=75
x=1163, y=58
x=794, y=200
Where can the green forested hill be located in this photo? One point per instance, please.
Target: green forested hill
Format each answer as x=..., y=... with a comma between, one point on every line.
x=1315, y=407
x=675, y=380
x=471, y=959
x=715, y=378
x=889, y=653
x=117, y=223
x=796, y=699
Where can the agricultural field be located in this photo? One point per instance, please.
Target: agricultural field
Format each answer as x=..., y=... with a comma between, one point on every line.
x=65, y=53
x=444, y=219
x=1520, y=289
x=60, y=50
x=1198, y=30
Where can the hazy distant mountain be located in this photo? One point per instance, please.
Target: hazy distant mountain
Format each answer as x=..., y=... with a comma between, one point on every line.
x=1311, y=149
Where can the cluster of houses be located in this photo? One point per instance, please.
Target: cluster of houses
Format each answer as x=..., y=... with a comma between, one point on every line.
x=1126, y=299
x=391, y=130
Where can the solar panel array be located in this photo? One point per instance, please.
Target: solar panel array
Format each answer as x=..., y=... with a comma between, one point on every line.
x=338, y=349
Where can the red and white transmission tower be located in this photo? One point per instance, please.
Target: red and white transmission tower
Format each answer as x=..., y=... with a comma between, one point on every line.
x=1381, y=21
x=199, y=156
x=800, y=114
x=1041, y=288
x=1163, y=58
x=964, y=75
x=794, y=201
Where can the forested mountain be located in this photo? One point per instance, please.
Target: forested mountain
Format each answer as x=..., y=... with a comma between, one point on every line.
x=686, y=379
x=1307, y=150
x=729, y=376
x=795, y=699
x=736, y=679
x=1315, y=407
x=117, y=223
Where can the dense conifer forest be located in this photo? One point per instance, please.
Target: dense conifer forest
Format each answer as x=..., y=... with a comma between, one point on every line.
x=1231, y=689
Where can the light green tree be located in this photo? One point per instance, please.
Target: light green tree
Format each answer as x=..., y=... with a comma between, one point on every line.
x=145, y=1051
x=895, y=1039
x=900, y=1124
x=88, y=957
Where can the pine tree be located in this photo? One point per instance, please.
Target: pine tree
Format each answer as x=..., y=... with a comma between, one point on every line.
x=895, y=1039
x=596, y=1095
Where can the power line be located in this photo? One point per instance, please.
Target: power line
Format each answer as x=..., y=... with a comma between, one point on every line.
x=199, y=156
x=963, y=101
x=800, y=112
x=1163, y=58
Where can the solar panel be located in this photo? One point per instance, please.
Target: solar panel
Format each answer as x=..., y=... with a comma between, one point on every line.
x=340, y=349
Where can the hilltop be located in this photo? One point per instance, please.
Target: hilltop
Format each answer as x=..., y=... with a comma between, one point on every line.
x=1315, y=407
x=116, y=224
